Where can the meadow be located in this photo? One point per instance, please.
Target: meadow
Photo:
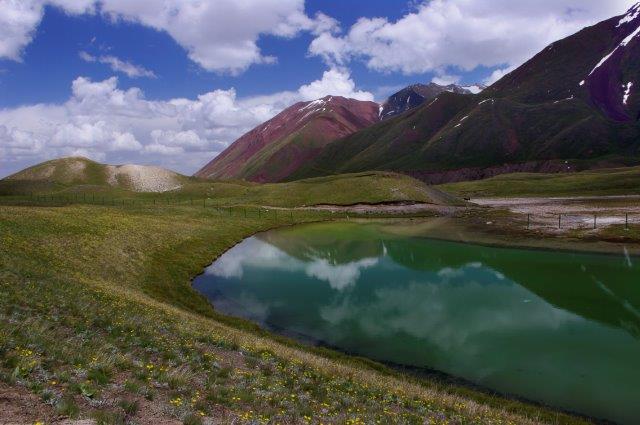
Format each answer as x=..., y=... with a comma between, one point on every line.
x=99, y=321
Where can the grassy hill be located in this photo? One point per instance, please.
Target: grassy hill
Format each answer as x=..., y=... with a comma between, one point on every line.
x=345, y=189
x=61, y=173
x=79, y=177
x=617, y=181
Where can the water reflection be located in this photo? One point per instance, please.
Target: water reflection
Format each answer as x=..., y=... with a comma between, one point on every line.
x=512, y=320
x=254, y=253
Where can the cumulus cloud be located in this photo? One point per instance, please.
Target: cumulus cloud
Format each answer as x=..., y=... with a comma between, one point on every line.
x=220, y=36
x=119, y=65
x=462, y=34
x=335, y=82
x=102, y=121
x=20, y=18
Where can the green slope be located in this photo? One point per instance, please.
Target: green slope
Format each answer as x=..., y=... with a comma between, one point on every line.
x=74, y=177
x=345, y=189
x=538, y=114
x=618, y=181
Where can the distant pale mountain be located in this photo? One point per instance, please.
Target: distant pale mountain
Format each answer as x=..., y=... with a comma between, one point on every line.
x=575, y=105
x=274, y=150
x=417, y=94
x=79, y=171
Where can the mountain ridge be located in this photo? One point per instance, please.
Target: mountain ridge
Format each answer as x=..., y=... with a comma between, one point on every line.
x=538, y=114
x=274, y=149
x=415, y=95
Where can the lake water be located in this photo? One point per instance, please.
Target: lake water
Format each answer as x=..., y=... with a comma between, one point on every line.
x=559, y=328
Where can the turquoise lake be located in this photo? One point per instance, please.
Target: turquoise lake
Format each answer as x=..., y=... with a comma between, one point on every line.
x=558, y=328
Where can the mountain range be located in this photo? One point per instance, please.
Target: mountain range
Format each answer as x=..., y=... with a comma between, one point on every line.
x=572, y=106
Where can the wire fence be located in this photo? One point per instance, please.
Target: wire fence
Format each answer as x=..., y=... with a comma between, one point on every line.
x=581, y=221
x=217, y=206
x=547, y=221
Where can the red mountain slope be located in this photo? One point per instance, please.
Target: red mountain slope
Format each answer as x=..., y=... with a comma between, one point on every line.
x=275, y=149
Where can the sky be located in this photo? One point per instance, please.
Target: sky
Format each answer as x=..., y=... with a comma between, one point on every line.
x=174, y=82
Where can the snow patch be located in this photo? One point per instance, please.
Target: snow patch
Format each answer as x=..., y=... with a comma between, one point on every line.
x=581, y=83
x=564, y=100
x=311, y=104
x=460, y=122
x=433, y=101
x=623, y=43
x=486, y=100
x=632, y=14
x=627, y=92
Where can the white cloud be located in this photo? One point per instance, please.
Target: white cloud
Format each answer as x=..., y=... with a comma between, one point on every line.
x=219, y=35
x=498, y=74
x=254, y=253
x=445, y=80
x=462, y=34
x=105, y=122
x=20, y=18
x=334, y=82
x=118, y=65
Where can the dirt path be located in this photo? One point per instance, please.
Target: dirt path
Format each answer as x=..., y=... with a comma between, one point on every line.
x=395, y=208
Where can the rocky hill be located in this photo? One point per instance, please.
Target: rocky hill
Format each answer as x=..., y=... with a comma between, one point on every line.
x=74, y=171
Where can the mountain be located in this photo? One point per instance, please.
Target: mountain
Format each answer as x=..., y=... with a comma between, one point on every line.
x=76, y=171
x=277, y=148
x=417, y=94
x=575, y=105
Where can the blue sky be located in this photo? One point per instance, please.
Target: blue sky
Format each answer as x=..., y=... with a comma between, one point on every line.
x=51, y=61
x=128, y=81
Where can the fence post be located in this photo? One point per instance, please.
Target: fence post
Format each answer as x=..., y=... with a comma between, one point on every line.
x=626, y=221
x=559, y=221
x=528, y=221
x=594, y=221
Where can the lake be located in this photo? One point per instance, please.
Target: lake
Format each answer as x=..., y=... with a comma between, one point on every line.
x=559, y=328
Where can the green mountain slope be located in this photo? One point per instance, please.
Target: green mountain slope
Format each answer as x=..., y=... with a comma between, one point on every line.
x=568, y=102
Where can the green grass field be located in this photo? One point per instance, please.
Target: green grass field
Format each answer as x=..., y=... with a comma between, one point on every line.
x=98, y=318
x=348, y=189
x=617, y=181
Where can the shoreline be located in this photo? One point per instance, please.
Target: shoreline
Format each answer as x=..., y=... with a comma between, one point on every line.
x=425, y=375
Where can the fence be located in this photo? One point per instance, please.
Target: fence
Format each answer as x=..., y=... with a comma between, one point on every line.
x=549, y=221
x=158, y=201
x=566, y=221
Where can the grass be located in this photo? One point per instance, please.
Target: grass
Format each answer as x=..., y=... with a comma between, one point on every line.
x=371, y=187
x=616, y=181
x=98, y=318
